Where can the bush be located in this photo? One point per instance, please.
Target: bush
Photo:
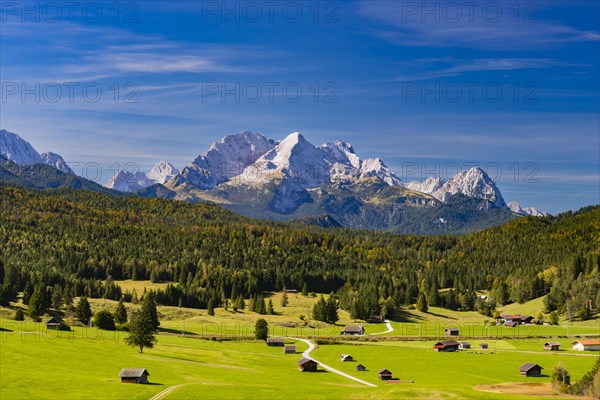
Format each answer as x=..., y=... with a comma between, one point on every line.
x=261, y=329
x=19, y=315
x=104, y=320
x=122, y=327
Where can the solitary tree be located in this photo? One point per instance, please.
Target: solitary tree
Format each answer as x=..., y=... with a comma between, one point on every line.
x=560, y=378
x=141, y=331
x=83, y=311
x=120, y=313
x=261, y=329
x=270, y=309
x=284, y=298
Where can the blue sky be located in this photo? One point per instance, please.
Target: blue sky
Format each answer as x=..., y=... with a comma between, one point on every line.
x=427, y=86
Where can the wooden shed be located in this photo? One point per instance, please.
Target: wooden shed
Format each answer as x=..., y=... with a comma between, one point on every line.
x=385, y=375
x=530, y=369
x=446, y=346
x=451, y=332
x=134, y=375
x=346, y=357
x=361, y=367
x=552, y=346
x=290, y=349
x=307, y=365
x=483, y=346
x=353, y=330
x=464, y=345
x=276, y=342
x=54, y=323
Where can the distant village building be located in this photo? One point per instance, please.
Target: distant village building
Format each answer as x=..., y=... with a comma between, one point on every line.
x=464, y=345
x=374, y=319
x=134, y=375
x=307, y=365
x=446, y=346
x=361, y=367
x=530, y=369
x=291, y=291
x=347, y=357
x=353, y=330
x=290, y=349
x=512, y=324
x=586, y=345
x=483, y=346
x=514, y=319
x=54, y=323
x=552, y=346
x=385, y=375
x=451, y=332
x=276, y=342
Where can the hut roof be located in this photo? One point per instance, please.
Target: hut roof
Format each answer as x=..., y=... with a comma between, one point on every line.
x=133, y=372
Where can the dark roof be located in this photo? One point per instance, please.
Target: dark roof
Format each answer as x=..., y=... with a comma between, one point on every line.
x=385, y=372
x=551, y=344
x=527, y=366
x=465, y=343
x=446, y=343
x=353, y=328
x=133, y=372
x=275, y=340
x=303, y=361
x=55, y=320
x=290, y=347
x=451, y=329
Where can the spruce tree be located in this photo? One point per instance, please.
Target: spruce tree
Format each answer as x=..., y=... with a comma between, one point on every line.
x=120, y=314
x=270, y=309
x=149, y=309
x=83, y=311
x=422, y=303
x=141, y=330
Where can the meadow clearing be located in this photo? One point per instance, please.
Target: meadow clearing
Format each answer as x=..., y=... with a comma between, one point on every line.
x=36, y=363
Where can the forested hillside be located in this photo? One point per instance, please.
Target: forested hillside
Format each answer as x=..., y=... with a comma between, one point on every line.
x=78, y=242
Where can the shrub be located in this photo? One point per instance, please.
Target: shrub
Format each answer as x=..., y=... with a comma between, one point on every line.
x=19, y=315
x=104, y=320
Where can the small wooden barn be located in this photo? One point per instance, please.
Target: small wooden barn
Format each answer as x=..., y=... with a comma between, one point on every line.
x=290, y=349
x=464, y=345
x=530, y=369
x=353, y=330
x=134, y=375
x=385, y=375
x=483, y=346
x=551, y=346
x=346, y=357
x=446, y=346
x=451, y=332
x=54, y=323
x=307, y=365
x=361, y=367
x=276, y=342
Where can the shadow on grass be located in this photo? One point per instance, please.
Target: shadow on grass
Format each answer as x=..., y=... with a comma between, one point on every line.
x=175, y=331
x=405, y=316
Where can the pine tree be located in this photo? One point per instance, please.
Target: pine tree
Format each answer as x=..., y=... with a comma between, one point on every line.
x=331, y=310
x=304, y=289
x=83, y=311
x=319, y=310
x=284, y=298
x=211, y=307
x=553, y=318
x=57, y=298
x=141, y=330
x=149, y=308
x=422, y=303
x=120, y=313
x=37, y=303
x=270, y=309
x=239, y=303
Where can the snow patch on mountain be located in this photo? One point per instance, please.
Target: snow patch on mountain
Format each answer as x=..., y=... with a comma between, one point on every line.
x=126, y=181
x=226, y=159
x=529, y=211
x=474, y=183
x=20, y=151
x=56, y=161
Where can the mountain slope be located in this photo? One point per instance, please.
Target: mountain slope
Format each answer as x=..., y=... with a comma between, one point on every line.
x=126, y=181
x=20, y=151
x=40, y=176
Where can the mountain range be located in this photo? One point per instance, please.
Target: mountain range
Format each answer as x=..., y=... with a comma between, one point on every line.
x=292, y=179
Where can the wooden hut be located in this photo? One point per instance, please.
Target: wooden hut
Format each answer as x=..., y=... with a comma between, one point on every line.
x=530, y=369
x=276, y=342
x=446, y=346
x=54, y=323
x=134, y=375
x=385, y=375
x=290, y=349
x=361, y=367
x=551, y=346
x=451, y=332
x=307, y=365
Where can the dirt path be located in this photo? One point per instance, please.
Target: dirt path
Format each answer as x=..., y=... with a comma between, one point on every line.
x=312, y=346
x=164, y=392
x=390, y=328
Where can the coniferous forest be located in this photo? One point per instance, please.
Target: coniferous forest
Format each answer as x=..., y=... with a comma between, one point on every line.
x=68, y=243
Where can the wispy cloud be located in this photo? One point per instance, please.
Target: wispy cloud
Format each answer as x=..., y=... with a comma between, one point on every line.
x=426, y=24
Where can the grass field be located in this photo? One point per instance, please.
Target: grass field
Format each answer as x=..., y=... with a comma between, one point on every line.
x=37, y=364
